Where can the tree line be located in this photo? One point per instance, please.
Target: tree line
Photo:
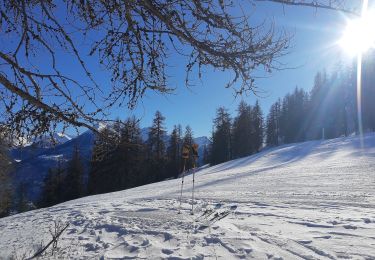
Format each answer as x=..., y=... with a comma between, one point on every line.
x=329, y=110
x=5, y=180
x=64, y=182
x=121, y=159
x=236, y=137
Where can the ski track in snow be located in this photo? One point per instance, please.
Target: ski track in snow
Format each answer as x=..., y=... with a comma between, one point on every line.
x=312, y=200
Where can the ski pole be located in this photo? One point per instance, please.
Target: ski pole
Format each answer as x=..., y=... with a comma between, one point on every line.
x=195, y=157
x=192, y=194
x=182, y=185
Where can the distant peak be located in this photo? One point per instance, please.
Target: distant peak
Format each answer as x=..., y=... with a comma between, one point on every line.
x=62, y=135
x=100, y=126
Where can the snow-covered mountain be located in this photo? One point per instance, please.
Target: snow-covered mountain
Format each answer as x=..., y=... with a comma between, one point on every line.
x=39, y=145
x=311, y=200
x=202, y=141
x=29, y=147
x=47, y=141
x=33, y=161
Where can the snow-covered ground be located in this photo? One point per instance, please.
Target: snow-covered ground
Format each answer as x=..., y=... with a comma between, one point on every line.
x=312, y=200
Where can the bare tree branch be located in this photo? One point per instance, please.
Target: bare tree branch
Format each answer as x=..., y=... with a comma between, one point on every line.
x=133, y=40
x=26, y=96
x=56, y=233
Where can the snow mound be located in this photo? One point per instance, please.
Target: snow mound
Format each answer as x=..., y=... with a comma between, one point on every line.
x=312, y=200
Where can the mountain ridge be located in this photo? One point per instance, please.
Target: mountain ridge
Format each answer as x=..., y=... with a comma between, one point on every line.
x=34, y=161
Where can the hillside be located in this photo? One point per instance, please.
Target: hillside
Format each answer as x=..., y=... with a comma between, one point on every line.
x=311, y=200
x=34, y=161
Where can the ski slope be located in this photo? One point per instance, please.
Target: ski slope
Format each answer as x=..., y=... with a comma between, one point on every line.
x=312, y=200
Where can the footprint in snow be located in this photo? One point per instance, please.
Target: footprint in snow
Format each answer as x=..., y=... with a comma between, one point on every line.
x=366, y=220
x=139, y=241
x=349, y=227
x=323, y=237
x=166, y=251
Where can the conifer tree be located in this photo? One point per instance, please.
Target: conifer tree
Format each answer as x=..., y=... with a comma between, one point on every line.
x=317, y=106
x=129, y=156
x=118, y=159
x=242, y=143
x=5, y=180
x=156, y=137
x=174, y=153
x=221, y=137
x=188, y=141
x=74, y=186
x=273, y=125
x=293, y=124
x=257, y=123
x=54, y=187
x=368, y=91
x=156, y=148
x=102, y=168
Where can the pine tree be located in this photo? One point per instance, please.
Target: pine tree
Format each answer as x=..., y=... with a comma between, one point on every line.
x=257, y=122
x=102, y=168
x=156, y=137
x=242, y=143
x=49, y=192
x=21, y=201
x=273, y=125
x=54, y=187
x=317, y=106
x=331, y=106
x=118, y=160
x=74, y=177
x=174, y=153
x=294, y=111
x=156, y=148
x=188, y=141
x=116, y=130
x=221, y=137
x=180, y=134
x=368, y=91
x=5, y=180
x=129, y=157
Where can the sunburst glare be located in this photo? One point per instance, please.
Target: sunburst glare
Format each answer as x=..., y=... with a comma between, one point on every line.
x=359, y=35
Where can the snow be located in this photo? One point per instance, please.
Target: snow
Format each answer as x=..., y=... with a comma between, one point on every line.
x=55, y=157
x=101, y=126
x=202, y=141
x=312, y=200
x=64, y=136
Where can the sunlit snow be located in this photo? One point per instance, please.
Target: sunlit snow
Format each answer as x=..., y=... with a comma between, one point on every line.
x=312, y=200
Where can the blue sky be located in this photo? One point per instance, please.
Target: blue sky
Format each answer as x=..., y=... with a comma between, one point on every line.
x=313, y=49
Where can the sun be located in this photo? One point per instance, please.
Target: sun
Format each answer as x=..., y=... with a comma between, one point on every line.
x=359, y=35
